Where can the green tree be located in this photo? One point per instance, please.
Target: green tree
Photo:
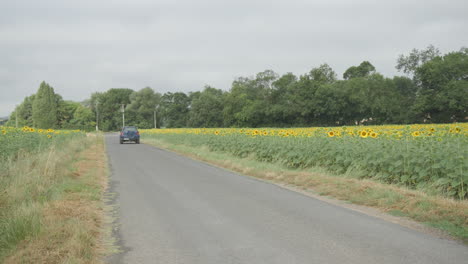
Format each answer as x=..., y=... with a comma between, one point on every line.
x=44, y=108
x=281, y=111
x=142, y=105
x=407, y=95
x=24, y=111
x=234, y=102
x=304, y=98
x=109, y=106
x=206, y=107
x=382, y=100
x=408, y=64
x=83, y=118
x=364, y=69
x=247, y=102
x=331, y=104
x=175, y=109
x=323, y=74
x=65, y=112
x=443, y=88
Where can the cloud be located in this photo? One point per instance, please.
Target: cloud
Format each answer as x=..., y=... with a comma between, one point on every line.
x=85, y=46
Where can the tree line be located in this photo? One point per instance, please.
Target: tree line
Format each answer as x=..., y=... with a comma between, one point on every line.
x=47, y=109
x=434, y=90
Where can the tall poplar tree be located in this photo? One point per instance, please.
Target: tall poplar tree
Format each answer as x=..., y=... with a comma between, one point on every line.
x=44, y=110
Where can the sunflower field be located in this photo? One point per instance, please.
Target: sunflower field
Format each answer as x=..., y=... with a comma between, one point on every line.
x=28, y=139
x=417, y=156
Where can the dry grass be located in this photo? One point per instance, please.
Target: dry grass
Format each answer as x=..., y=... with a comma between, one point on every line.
x=446, y=214
x=70, y=213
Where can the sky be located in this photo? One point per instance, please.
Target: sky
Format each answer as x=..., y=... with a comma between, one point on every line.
x=86, y=46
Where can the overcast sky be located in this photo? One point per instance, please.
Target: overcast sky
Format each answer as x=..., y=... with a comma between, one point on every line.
x=83, y=46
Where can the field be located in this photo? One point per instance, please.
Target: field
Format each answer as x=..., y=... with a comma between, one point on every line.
x=51, y=185
x=432, y=158
x=14, y=141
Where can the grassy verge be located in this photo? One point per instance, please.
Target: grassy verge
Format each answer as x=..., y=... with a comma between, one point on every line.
x=51, y=204
x=448, y=215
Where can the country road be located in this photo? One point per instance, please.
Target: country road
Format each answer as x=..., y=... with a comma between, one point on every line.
x=172, y=209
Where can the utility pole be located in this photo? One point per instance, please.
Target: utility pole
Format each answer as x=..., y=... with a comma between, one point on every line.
x=97, y=115
x=123, y=115
x=155, y=118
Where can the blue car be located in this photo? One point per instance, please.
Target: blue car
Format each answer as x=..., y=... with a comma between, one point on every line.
x=129, y=133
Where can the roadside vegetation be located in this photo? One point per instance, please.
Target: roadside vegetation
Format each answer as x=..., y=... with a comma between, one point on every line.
x=417, y=171
x=16, y=141
x=51, y=188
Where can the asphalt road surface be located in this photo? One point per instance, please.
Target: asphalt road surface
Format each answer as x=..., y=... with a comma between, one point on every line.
x=176, y=210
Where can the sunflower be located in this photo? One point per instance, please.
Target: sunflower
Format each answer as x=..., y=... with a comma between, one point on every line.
x=4, y=132
x=363, y=134
x=265, y=133
x=373, y=134
x=416, y=134
x=31, y=129
x=216, y=132
x=331, y=134
x=49, y=136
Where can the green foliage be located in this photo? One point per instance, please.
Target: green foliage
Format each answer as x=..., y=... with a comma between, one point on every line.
x=205, y=108
x=17, y=227
x=83, y=118
x=16, y=140
x=363, y=70
x=69, y=115
x=323, y=74
x=143, y=104
x=24, y=111
x=281, y=111
x=411, y=62
x=247, y=102
x=66, y=111
x=443, y=89
x=44, y=107
x=109, y=105
x=175, y=109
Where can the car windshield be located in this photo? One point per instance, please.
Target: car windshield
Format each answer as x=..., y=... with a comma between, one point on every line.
x=130, y=129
